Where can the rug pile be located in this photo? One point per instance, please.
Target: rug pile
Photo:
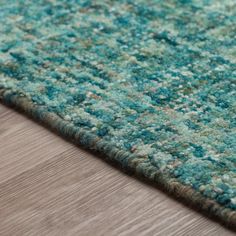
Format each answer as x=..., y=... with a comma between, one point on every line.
x=150, y=84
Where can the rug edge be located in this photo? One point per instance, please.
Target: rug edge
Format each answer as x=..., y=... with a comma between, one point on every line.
x=125, y=159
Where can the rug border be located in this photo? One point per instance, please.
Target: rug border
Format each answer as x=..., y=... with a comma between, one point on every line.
x=127, y=160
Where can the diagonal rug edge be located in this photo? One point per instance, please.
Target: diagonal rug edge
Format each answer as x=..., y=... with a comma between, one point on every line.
x=126, y=159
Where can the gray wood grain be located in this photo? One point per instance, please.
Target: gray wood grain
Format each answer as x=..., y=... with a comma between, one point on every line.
x=51, y=187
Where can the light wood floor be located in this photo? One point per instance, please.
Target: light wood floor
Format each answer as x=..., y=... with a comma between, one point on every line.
x=51, y=187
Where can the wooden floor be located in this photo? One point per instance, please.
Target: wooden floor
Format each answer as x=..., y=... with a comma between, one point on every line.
x=51, y=187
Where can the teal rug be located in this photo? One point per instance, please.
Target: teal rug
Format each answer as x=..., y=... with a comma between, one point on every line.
x=150, y=84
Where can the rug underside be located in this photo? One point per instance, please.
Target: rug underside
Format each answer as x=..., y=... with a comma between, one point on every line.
x=151, y=84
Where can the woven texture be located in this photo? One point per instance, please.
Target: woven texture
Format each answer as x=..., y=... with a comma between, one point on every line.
x=150, y=84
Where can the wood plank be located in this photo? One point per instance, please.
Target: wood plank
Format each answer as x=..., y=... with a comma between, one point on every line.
x=24, y=144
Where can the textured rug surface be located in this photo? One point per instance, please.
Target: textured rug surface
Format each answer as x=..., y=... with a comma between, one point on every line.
x=151, y=84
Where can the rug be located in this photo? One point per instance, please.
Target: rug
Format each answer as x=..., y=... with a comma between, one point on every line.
x=149, y=84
